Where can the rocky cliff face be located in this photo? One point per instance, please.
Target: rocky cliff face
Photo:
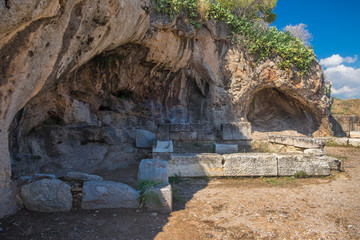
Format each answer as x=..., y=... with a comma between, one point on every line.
x=79, y=77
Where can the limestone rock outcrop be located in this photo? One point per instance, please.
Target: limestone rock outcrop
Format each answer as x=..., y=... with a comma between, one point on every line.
x=47, y=195
x=79, y=78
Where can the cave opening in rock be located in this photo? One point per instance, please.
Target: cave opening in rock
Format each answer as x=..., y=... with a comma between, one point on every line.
x=272, y=110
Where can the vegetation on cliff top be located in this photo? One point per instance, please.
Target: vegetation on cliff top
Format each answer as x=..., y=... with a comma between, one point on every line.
x=246, y=28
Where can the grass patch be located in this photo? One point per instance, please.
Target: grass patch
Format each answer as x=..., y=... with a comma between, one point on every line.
x=301, y=174
x=145, y=186
x=278, y=181
x=272, y=180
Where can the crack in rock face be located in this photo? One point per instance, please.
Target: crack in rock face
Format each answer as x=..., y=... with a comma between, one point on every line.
x=77, y=82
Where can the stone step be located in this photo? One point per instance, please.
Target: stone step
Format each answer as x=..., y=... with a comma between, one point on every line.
x=300, y=142
x=249, y=164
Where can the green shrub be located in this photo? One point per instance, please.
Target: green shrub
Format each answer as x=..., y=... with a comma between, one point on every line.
x=301, y=174
x=143, y=186
x=258, y=40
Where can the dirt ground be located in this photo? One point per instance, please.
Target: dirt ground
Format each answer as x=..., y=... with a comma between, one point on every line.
x=227, y=208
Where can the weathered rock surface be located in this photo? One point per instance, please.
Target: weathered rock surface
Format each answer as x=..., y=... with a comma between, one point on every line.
x=159, y=198
x=83, y=176
x=343, y=125
x=355, y=134
x=47, y=195
x=195, y=165
x=236, y=131
x=77, y=79
x=288, y=165
x=250, y=165
x=144, y=139
x=300, y=142
x=106, y=194
x=163, y=146
x=40, y=176
x=226, y=148
x=342, y=141
x=319, y=152
x=153, y=170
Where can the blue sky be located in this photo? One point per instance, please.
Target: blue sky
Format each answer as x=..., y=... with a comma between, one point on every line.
x=335, y=27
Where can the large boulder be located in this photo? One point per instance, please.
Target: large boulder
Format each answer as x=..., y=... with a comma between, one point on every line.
x=107, y=194
x=153, y=170
x=47, y=195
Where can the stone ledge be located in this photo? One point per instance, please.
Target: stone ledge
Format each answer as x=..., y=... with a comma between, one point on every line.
x=249, y=164
x=300, y=142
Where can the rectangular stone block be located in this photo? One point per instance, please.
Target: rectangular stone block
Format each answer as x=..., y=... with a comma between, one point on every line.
x=250, y=164
x=300, y=142
x=159, y=198
x=289, y=164
x=354, y=134
x=354, y=142
x=107, y=194
x=236, y=131
x=153, y=170
x=163, y=146
x=179, y=127
x=188, y=136
x=226, y=148
x=196, y=165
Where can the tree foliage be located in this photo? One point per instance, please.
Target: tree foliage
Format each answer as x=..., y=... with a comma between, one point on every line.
x=252, y=9
x=258, y=39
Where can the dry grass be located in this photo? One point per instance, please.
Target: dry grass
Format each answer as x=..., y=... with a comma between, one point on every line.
x=346, y=107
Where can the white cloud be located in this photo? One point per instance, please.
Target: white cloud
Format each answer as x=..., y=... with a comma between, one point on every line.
x=345, y=81
x=336, y=59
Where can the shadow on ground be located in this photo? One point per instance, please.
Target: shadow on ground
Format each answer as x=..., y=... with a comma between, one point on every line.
x=96, y=224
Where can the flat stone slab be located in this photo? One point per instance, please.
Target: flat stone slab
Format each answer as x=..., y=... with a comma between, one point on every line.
x=196, y=165
x=236, y=131
x=250, y=165
x=300, y=142
x=342, y=141
x=47, y=195
x=354, y=134
x=144, y=139
x=40, y=176
x=319, y=152
x=159, y=198
x=162, y=146
x=83, y=176
x=290, y=164
x=107, y=194
x=153, y=170
x=226, y=148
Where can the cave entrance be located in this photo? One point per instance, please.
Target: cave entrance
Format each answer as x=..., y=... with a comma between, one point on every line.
x=271, y=110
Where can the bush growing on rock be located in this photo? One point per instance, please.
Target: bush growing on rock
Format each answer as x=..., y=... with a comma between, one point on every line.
x=258, y=39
